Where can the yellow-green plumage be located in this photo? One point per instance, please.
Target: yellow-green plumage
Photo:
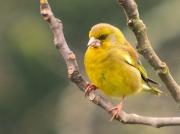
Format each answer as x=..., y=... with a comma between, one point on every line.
x=113, y=66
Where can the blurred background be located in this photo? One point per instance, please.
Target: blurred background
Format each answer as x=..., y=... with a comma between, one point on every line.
x=35, y=95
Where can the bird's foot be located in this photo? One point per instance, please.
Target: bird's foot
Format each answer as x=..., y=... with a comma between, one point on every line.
x=89, y=88
x=116, y=111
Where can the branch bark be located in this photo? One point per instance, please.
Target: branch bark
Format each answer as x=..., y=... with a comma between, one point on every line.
x=144, y=47
x=74, y=75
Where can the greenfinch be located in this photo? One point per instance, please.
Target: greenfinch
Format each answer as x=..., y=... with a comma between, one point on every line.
x=113, y=65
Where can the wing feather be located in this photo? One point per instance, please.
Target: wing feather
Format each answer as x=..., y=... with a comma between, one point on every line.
x=133, y=60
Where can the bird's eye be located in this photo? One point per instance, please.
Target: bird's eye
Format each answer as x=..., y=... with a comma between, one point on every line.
x=102, y=37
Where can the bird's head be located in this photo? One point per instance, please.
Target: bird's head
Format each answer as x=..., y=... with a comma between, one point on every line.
x=104, y=33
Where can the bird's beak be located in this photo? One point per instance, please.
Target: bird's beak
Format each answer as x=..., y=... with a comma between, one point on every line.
x=94, y=42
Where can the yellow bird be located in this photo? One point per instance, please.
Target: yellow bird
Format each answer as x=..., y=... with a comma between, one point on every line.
x=113, y=66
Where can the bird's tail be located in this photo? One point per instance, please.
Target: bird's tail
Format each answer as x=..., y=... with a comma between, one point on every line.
x=153, y=90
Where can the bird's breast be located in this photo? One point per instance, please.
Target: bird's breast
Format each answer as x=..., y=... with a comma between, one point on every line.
x=110, y=73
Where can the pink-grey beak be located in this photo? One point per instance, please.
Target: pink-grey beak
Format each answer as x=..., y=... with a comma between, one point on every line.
x=94, y=42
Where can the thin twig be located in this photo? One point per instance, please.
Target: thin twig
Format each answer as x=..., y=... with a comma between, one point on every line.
x=75, y=76
x=144, y=47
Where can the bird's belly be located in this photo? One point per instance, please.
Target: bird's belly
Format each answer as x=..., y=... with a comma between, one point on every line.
x=115, y=79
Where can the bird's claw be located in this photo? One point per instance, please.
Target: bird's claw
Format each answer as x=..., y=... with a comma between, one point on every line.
x=116, y=111
x=89, y=88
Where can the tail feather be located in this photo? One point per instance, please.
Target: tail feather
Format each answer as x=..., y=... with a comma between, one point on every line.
x=152, y=90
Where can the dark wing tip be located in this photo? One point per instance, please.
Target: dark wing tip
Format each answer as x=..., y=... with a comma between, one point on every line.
x=152, y=81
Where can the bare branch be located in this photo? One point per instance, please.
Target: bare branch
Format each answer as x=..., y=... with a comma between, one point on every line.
x=75, y=76
x=144, y=47
x=61, y=45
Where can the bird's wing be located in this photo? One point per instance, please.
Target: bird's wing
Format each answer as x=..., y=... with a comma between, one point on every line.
x=133, y=60
x=144, y=74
